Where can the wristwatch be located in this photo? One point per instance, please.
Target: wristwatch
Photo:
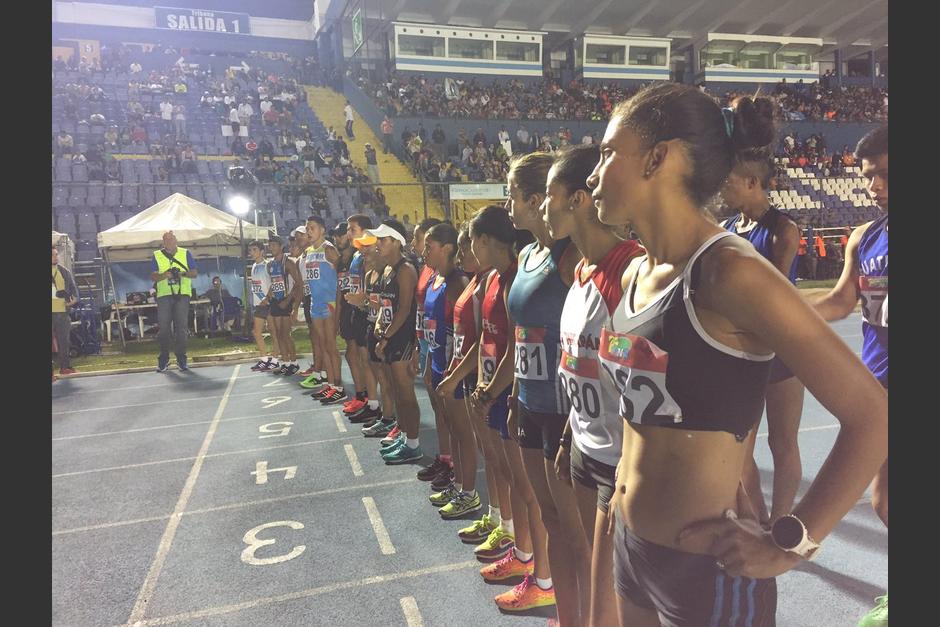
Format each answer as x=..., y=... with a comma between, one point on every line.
x=790, y=534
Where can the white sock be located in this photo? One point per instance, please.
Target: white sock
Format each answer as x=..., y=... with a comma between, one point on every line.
x=270, y=358
x=472, y=493
x=523, y=556
x=338, y=388
x=544, y=584
x=459, y=486
x=373, y=404
x=323, y=374
x=411, y=442
x=506, y=524
x=494, y=513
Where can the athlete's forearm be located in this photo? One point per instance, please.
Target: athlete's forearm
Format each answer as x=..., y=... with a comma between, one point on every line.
x=503, y=376
x=467, y=365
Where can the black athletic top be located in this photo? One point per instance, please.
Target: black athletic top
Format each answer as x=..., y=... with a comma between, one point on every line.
x=670, y=372
x=390, y=301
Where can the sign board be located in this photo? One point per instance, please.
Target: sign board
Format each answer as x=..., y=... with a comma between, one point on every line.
x=202, y=21
x=478, y=191
x=357, y=30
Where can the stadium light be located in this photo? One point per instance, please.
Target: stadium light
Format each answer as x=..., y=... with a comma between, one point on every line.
x=239, y=205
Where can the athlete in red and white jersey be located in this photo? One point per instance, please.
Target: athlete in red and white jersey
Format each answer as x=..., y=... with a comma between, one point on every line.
x=590, y=445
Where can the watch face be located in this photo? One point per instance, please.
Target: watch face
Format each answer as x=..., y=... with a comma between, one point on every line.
x=788, y=532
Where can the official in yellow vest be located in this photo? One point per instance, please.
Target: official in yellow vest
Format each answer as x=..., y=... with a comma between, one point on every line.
x=172, y=269
x=64, y=295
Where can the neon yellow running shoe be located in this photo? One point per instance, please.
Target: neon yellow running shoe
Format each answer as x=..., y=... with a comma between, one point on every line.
x=496, y=545
x=878, y=617
x=442, y=498
x=478, y=531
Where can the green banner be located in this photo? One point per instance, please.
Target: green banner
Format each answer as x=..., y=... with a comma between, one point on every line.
x=357, y=30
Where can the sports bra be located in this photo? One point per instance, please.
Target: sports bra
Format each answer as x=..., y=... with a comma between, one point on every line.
x=762, y=235
x=670, y=372
x=390, y=302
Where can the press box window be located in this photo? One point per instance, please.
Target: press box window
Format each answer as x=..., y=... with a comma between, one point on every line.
x=420, y=46
x=641, y=55
x=516, y=51
x=470, y=49
x=605, y=54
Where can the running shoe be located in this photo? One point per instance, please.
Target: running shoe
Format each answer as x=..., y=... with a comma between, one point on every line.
x=281, y=368
x=313, y=381
x=335, y=397
x=441, y=480
x=258, y=367
x=526, y=596
x=438, y=465
x=478, y=531
x=442, y=498
x=309, y=371
x=366, y=415
x=460, y=505
x=388, y=450
x=351, y=407
x=162, y=364
x=322, y=393
x=507, y=568
x=878, y=617
x=496, y=545
x=379, y=428
x=268, y=366
x=390, y=438
x=291, y=370
x=404, y=455
x=181, y=363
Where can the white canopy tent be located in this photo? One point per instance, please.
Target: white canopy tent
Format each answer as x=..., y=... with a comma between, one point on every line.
x=201, y=229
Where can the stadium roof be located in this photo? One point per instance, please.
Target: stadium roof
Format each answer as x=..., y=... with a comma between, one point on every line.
x=840, y=23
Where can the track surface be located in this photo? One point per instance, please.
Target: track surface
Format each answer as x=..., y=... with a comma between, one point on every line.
x=162, y=514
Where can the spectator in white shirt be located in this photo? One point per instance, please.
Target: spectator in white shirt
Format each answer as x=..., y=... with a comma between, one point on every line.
x=233, y=115
x=135, y=68
x=179, y=121
x=348, y=111
x=166, y=114
x=245, y=111
x=265, y=105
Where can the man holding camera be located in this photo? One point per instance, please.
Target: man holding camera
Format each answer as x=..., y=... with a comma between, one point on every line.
x=64, y=295
x=172, y=270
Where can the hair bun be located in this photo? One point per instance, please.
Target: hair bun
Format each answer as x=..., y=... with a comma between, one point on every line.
x=753, y=123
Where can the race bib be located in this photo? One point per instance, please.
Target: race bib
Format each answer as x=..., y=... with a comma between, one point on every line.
x=306, y=289
x=386, y=312
x=530, y=354
x=580, y=380
x=488, y=361
x=430, y=332
x=257, y=290
x=373, y=313
x=458, y=346
x=355, y=283
x=637, y=368
x=312, y=271
x=874, y=292
x=277, y=284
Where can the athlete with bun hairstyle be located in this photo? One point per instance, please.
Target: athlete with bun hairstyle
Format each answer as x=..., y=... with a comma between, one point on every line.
x=689, y=348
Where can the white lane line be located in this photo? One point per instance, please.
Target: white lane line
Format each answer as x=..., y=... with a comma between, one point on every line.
x=188, y=424
x=77, y=473
x=410, y=609
x=123, y=389
x=804, y=430
x=309, y=592
x=146, y=590
x=161, y=402
x=353, y=460
x=381, y=533
x=339, y=422
x=243, y=504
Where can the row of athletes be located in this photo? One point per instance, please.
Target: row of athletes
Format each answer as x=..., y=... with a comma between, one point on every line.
x=613, y=388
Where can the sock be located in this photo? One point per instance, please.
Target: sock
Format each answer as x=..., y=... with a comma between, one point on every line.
x=270, y=358
x=446, y=459
x=411, y=442
x=338, y=388
x=472, y=493
x=459, y=486
x=323, y=374
x=373, y=404
x=523, y=556
x=544, y=584
x=506, y=524
x=494, y=513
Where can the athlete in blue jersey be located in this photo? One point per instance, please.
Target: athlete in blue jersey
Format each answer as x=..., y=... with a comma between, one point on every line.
x=865, y=277
x=776, y=238
x=320, y=274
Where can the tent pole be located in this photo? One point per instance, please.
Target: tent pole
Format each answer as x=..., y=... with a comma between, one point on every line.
x=107, y=263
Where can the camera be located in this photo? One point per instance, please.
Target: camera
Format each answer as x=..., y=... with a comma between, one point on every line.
x=61, y=294
x=175, y=273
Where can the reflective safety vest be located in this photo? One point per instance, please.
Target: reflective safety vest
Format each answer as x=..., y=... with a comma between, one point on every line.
x=168, y=287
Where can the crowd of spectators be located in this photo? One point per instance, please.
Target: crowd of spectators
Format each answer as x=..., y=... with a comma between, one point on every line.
x=423, y=96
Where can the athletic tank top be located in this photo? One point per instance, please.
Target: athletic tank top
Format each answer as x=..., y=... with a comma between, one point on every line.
x=278, y=279
x=535, y=301
x=873, y=287
x=596, y=429
x=260, y=282
x=390, y=302
x=670, y=373
x=466, y=317
x=494, y=333
x=424, y=277
x=762, y=235
x=438, y=323
x=320, y=275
